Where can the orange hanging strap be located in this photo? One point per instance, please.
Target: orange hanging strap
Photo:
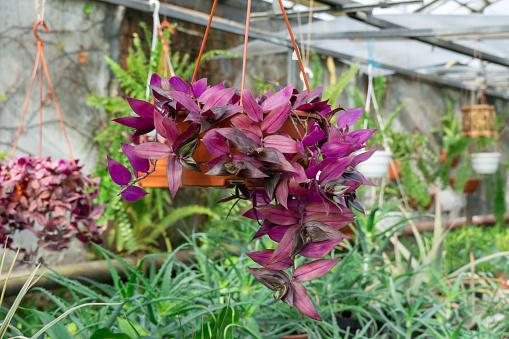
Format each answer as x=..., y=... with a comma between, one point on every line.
x=294, y=45
x=203, y=42
x=244, y=57
x=40, y=56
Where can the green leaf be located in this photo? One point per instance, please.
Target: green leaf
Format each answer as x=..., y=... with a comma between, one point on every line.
x=133, y=330
x=105, y=333
x=58, y=330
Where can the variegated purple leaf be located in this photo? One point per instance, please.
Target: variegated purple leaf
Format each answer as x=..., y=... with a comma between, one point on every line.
x=284, y=248
x=249, y=171
x=133, y=193
x=303, y=302
x=187, y=136
x=280, y=98
x=142, y=108
x=136, y=122
x=152, y=150
x=279, y=215
x=282, y=190
x=284, y=144
x=262, y=257
x=275, y=278
x=318, y=207
x=216, y=147
x=138, y=164
x=220, y=98
x=185, y=100
x=350, y=117
x=243, y=122
x=118, y=172
x=253, y=110
x=314, y=269
x=276, y=118
x=319, y=249
x=179, y=85
x=335, y=220
x=173, y=174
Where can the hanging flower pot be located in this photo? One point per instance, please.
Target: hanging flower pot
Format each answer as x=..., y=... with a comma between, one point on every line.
x=376, y=166
x=394, y=169
x=443, y=159
x=485, y=163
x=470, y=186
x=478, y=121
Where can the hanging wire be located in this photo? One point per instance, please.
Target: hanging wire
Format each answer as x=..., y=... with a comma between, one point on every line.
x=155, y=26
x=39, y=10
x=204, y=40
x=308, y=40
x=244, y=57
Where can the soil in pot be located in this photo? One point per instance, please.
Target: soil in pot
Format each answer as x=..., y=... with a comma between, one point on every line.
x=470, y=186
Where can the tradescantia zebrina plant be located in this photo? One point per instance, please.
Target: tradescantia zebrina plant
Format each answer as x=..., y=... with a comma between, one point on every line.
x=298, y=168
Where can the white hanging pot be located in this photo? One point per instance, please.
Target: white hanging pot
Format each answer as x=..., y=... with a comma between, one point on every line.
x=485, y=163
x=376, y=166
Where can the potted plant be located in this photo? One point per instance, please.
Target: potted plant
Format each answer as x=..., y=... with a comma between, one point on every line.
x=465, y=180
x=52, y=199
x=301, y=183
x=486, y=159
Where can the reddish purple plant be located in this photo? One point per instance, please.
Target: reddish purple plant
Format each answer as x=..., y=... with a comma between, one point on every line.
x=302, y=180
x=52, y=199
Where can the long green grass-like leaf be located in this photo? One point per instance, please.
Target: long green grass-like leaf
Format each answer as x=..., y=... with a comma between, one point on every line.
x=333, y=92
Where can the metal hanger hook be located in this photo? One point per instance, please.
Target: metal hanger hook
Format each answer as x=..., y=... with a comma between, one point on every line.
x=37, y=24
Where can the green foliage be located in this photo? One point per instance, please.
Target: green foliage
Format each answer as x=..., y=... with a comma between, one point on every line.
x=317, y=70
x=333, y=92
x=415, y=186
x=499, y=203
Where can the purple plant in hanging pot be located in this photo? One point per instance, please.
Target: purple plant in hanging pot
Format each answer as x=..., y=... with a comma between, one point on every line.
x=52, y=199
x=298, y=167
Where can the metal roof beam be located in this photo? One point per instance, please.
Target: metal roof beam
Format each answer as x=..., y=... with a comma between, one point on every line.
x=451, y=46
x=221, y=24
x=414, y=33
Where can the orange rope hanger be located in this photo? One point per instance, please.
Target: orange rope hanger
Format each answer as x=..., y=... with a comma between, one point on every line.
x=245, y=45
x=40, y=56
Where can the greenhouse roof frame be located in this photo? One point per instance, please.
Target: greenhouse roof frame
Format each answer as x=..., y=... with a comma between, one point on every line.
x=281, y=39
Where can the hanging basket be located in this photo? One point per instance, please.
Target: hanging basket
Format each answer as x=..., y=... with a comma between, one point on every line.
x=201, y=155
x=470, y=186
x=478, y=121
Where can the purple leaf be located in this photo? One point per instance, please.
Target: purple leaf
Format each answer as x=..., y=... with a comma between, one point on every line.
x=335, y=169
x=158, y=124
x=314, y=269
x=336, y=149
x=362, y=135
x=283, y=144
x=142, y=108
x=319, y=207
x=186, y=101
x=278, y=99
x=253, y=110
x=264, y=229
x=173, y=174
x=179, y=85
x=279, y=215
x=243, y=122
x=172, y=131
x=284, y=248
x=138, y=164
x=249, y=171
x=220, y=98
x=350, y=117
x=303, y=302
x=317, y=134
x=263, y=257
x=216, y=147
x=279, y=276
x=199, y=87
x=118, y=172
x=277, y=233
x=206, y=95
x=282, y=190
x=276, y=118
x=363, y=157
x=319, y=249
x=133, y=193
x=155, y=80
x=190, y=134
x=136, y=122
x=152, y=150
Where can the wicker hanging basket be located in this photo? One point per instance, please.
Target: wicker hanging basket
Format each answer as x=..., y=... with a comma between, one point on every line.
x=478, y=121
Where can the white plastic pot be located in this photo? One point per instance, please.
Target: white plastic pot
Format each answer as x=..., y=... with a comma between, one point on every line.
x=485, y=163
x=376, y=166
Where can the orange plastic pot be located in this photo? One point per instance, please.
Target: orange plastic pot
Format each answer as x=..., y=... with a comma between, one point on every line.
x=201, y=155
x=470, y=186
x=443, y=158
x=394, y=169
